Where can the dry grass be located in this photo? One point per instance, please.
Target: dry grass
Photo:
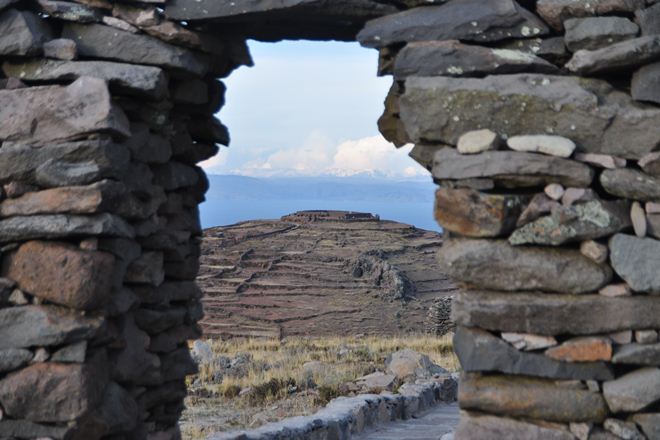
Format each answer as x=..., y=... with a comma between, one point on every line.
x=282, y=385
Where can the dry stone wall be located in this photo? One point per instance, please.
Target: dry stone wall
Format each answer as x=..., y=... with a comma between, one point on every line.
x=539, y=120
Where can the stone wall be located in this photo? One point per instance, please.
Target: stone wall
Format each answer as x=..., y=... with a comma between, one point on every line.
x=105, y=108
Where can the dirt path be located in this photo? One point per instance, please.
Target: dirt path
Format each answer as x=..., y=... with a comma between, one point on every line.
x=432, y=425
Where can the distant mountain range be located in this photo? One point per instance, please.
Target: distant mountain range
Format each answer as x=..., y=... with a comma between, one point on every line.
x=233, y=198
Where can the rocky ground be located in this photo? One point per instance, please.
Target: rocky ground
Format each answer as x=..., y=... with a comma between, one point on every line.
x=322, y=275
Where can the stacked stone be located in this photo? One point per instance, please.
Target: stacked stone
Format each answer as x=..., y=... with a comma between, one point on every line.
x=542, y=128
x=105, y=108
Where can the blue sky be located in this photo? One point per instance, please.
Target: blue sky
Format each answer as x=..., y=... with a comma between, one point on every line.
x=308, y=108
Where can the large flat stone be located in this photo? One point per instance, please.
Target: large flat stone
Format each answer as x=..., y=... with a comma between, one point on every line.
x=480, y=426
x=39, y=115
x=517, y=396
x=580, y=222
x=475, y=214
x=62, y=274
x=43, y=326
x=619, y=56
x=633, y=391
x=479, y=350
x=51, y=392
x=593, y=33
x=467, y=20
x=127, y=78
x=637, y=354
x=98, y=41
x=555, y=314
x=637, y=260
x=631, y=184
x=590, y=112
x=555, y=12
x=495, y=264
x=452, y=58
x=22, y=33
x=63, y=226
x=510, y=168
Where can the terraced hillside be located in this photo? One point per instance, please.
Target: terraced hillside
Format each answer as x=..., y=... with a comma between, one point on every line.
x=325, y=273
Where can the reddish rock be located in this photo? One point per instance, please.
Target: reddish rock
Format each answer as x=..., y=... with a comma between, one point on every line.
x=587, y=349
x=62, y=274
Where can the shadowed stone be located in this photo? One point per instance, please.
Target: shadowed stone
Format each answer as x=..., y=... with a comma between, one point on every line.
x=596, y=32
x=13, y=358
x=555, y=12
x=480, y=426
x=62, y=274
x=133, y=363
x=478, y=141
x=590, y=112
x=510, y=169
x=452, y=58
x=128, y=78
x=495, y=264
x=146, y=269
x=118, y=411
x=638, y=354
x=619, y=56
x=44, y=325
x=650, y=424
x=98, y=41
x=22, y=33
x=651, y=163
x=631, y=184
x=634, y=391
x=649, y=19
x=70, y=11
x=478, y=350
x=467, y=20
x=474, y=214
x=61, y=49
x=74, y=353
x=37, y=115
x=23, y=428
x=636, y=260
x=517, y=396
x=555, y=314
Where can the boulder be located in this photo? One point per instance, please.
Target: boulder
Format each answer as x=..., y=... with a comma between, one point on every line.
x=555, y=12
x=478, y=350
x=590, y=112
x=39, y=115
x=510, y=169
x=466, y=20
x=597, y=32
x=634, y=391
x=13, y=359
x=495, y=264
x=475, y=214
x=583, y=221
x=627, y=54
x=22, y=33
x=409, y=364
x=638, y=354
x=523, y=397
x=631, y=184
x=555, y=314
x=104, y=42
x=376, y=382
x=40, y=326
x=636, y=260
x=480, y=426
x=452, y=58
x=131, y=79
x=62, y=274
x=201, y=352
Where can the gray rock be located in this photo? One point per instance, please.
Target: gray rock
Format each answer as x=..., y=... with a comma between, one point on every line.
x=478, y=141
x=6, y=3
x=624, y=430
x=118, y=411
x=61, y=49
x=650, y=424
x=651, y=164
x=376, y=382
x=637, y=354
x=583, y=221
x=633, y=391
x=74, y=353
x=495, y=264
x=25, y=429
x=510, y=169
x=645, y=84
x=479, y=350
x=146, y=269
x=466, y=20
x=590, y=112
x=480, y=426
x=597, y=32
x=555, y=12
x=98, y=41
x=133, y=363
x=653, y=225
x=631, y=184
x=63, y=226
x=174, y=175
x=452, y=58
x=39, y=115
x=178, y=364
x=649, y=19
x=44, y=326
x=409, y=364
x=555, y=314
x=70, y=11
x=127, y=78
x=619, y=56
x=22, y=33
x=13, y=358
x=636, y=260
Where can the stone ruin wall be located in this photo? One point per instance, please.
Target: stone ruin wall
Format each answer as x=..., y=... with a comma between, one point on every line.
x=105, y=108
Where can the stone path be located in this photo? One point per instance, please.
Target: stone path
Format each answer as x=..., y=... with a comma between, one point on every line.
x=439, y=421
